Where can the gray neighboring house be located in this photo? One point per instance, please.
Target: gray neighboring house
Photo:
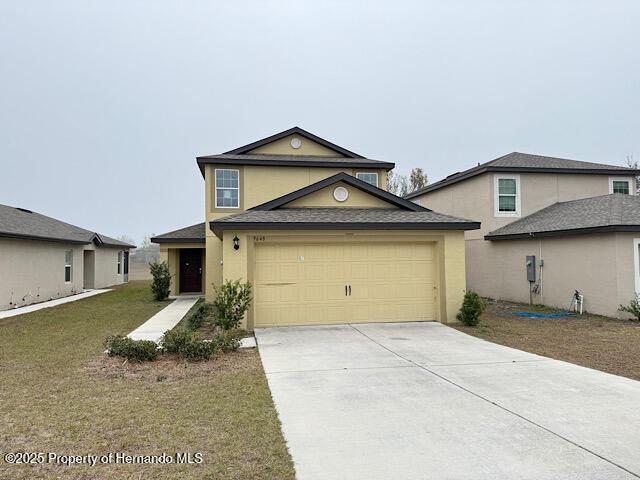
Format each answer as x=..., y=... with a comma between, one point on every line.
x=580, y=220
x=42, y=258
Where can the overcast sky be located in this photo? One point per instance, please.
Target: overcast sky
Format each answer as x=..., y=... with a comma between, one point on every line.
x=105, y=105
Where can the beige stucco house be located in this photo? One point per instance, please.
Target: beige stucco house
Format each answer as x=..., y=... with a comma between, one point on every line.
x=42, y=258
x=311, y=225
x=580, y=220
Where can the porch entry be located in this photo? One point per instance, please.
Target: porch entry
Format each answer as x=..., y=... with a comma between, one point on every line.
x=190, y=270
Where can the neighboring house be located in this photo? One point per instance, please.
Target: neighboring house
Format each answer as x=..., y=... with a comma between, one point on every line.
x=580, y=220
x=42, y=258
x=312, y=227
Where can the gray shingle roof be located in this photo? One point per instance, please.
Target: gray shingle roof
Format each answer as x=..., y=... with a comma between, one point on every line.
x=525, y=162
x=342, y=218
x=23, y=223
x=615, y=212
x=193, y=233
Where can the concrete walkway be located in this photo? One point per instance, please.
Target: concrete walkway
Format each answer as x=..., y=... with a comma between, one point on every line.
x=51, y=303
x=164, y=320
x=425, y=401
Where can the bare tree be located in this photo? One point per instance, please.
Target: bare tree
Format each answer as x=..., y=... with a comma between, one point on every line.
x=631, y=163
x=397, y=184
x=417, y=179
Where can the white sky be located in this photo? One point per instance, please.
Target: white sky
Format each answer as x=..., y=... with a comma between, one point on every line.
x=104, y=105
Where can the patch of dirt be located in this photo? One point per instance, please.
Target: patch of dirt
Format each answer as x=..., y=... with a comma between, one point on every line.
x=170, y=368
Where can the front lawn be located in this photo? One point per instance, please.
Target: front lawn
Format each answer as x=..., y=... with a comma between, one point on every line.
x=593, y=341
x=59, y=393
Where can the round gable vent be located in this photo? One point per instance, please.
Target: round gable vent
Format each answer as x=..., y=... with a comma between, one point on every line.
x=341, y=194
x=296, y=142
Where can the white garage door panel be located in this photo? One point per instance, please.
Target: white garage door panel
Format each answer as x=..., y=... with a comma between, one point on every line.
x=298, y=284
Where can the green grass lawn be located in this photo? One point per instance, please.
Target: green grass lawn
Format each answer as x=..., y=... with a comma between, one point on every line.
x=59, y=393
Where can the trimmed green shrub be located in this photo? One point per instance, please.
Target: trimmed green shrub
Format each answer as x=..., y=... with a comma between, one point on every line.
x=471, y=309
x=633, y=308
x=227, y=340
x=188, y=345
x=161, y=284
x=233, y=299
x=198, y=350
x=174, y=341
x=132, y=350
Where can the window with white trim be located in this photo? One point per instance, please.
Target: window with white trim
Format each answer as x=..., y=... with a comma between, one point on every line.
x=621, y=185
x=119, y=263
x=227, y=190
x=68, y=262
x=369, y=177
x=507, y=195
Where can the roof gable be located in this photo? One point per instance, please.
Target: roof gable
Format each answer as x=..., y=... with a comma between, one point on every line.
x=391, y=199
x=260, y=146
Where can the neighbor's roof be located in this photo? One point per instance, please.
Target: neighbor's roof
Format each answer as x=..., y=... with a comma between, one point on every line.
x=240, y=155
x=516, y=162
x=617, y=212
x=23, y=223
x=192, y=234
x=341, y=218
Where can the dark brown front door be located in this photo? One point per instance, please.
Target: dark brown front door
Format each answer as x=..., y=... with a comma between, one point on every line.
x=190, y=270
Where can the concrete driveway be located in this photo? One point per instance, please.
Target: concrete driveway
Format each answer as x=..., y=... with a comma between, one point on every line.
x=423, y=401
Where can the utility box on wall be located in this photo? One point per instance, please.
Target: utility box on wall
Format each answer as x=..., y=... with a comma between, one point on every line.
x=531, y=268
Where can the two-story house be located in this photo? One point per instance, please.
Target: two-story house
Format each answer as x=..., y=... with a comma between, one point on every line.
x=311, y=225
x=550, y=226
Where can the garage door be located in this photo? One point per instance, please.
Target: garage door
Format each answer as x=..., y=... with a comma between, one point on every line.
x=303, y=284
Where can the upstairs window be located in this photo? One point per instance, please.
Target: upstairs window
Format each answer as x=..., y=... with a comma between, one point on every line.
x=68, y=260
x=621, y=185
x=370, y=178
x=507, y=196
x=227, y=188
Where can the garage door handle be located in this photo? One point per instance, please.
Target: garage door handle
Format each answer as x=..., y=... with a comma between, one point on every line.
x=345, y=290
x=349, y=290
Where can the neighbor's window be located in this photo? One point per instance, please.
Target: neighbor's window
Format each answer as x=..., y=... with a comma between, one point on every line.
x=371, y=178
x=507, y=196
x=227, y=188
x=119, y=262
x=621, y=186
x=68, y=259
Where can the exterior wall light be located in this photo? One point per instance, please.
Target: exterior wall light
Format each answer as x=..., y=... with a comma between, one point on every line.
x=236, y=243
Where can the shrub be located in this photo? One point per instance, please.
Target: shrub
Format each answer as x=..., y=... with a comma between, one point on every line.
x=161, y=284
x=174, y=341
x=198, y=350
x=132, y=350
x=232, y=302
x=227, y=340
x=196, y=319
x=188, y=345
x=633, y=308
x=471, y=309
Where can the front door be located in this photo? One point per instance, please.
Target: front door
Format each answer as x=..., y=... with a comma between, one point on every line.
x=190, y=270
x=126, y=266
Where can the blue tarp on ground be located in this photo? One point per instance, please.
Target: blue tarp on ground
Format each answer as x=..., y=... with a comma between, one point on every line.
x=543, y=315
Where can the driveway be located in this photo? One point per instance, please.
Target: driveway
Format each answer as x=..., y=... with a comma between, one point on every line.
x=424, y=401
